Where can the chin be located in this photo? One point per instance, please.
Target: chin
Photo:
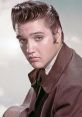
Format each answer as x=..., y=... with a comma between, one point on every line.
x=37, y=66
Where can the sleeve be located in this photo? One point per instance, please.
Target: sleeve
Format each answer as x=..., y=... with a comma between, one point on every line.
x=69, y=102
x=22, y=110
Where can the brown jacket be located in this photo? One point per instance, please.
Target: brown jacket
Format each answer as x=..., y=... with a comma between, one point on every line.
x=62, y=89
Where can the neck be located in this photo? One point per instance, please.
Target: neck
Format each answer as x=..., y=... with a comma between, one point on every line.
x=50, y=64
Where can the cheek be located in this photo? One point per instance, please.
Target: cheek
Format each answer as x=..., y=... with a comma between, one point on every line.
x=47, y=50
x=48, y=47
x=24, y=49
x=46, y=41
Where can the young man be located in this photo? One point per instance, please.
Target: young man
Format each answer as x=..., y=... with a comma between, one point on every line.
x=56, y=81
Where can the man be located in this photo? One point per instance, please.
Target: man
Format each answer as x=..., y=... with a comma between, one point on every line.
x=56, y=81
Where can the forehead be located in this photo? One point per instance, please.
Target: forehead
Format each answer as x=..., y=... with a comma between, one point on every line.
x=32, y=25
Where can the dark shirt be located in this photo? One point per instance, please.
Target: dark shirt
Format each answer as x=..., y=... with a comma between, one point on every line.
x=41, y=95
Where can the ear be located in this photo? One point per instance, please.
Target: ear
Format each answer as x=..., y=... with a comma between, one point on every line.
x=57, y=35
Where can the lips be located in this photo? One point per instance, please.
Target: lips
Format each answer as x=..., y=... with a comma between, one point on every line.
x=34, y=59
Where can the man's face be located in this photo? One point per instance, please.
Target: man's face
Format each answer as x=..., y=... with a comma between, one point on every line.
x=37, y=43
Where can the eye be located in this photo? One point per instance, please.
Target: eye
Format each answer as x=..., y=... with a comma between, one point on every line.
x=38, y=38
x=22, y=41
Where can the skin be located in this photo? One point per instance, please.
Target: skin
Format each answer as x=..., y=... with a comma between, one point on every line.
x=37, y=42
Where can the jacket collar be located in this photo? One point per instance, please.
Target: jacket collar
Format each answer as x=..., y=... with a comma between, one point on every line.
x=50, y=80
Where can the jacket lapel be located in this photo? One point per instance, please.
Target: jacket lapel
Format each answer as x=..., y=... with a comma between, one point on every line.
x=62, y=61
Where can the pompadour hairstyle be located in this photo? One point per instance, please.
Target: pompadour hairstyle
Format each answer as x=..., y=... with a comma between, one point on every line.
x=33, y=10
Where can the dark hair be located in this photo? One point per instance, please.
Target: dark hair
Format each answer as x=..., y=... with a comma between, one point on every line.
x=33, y=10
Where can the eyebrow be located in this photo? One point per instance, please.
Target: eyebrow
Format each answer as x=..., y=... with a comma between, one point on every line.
x=31, y=34
x=35, y=33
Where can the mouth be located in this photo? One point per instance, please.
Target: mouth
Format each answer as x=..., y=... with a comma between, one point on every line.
x=34, y=59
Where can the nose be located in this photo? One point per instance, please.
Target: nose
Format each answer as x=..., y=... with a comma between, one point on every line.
x=30, y=48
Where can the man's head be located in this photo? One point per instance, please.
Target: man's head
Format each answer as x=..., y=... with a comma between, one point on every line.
x=33, y=10
x=39, y=31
